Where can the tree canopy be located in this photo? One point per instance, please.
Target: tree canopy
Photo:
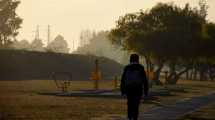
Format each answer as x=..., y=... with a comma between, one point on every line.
x=100, y=45
x=10, y=22
x=37, y=45
x=166, y=34
x=58, y=45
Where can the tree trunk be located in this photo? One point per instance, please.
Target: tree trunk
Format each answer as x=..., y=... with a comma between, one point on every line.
x=187, y=75
x=191, y=74
x=156, y=78
x=203, y=72
x=147, y=65
x=211, y=72
x=147, y=61
x=174, y=77
x=172, y=73
x=195, y=74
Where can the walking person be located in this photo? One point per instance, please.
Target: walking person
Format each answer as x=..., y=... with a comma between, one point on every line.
x=133, y=83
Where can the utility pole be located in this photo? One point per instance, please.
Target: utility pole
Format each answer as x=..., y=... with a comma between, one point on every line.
x=37, y=36
x=73, y=46
x=49, y=34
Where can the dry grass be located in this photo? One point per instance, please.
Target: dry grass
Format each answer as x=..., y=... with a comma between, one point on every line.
x=19, y=100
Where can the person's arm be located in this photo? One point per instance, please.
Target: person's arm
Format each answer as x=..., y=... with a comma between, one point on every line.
x=122, y=85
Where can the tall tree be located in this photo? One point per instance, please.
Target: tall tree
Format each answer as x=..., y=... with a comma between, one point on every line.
x=100, y=45
x=9, y=21
x=58, y=45
x=203, y=8
x=164, y=34
x=21, y=45
x=85, y=37
x=37, y=45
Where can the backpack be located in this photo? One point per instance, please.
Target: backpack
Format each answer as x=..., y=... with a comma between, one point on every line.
x=133, y=78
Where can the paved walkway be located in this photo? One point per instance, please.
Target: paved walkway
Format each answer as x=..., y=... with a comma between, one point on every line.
x=181, y=108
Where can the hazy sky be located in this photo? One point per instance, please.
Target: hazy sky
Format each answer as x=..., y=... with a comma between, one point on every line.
x=69, y=17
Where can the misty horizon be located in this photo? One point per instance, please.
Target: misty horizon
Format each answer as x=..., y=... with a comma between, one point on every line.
x=69, y=18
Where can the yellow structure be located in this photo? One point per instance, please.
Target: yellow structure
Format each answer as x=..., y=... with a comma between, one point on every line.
x=150, y=75
x=96, y=75
x=115, y=82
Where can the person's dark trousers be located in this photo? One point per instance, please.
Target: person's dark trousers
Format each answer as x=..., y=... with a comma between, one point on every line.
x=133, y=103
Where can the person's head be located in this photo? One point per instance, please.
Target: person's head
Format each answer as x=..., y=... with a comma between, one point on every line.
x=134, y=58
